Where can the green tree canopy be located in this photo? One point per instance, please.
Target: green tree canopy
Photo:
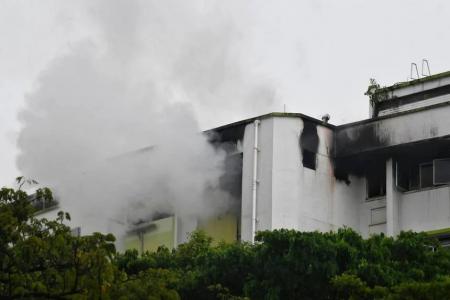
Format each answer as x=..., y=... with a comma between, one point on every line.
x=40, y=259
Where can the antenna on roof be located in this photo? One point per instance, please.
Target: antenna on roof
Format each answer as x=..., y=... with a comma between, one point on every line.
x=414, y=66
x=425, y=62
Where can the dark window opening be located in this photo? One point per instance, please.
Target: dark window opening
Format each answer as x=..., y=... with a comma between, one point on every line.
x=309, y=159
x=426, y=175
x=309, y=144
x=376, y=181
x=414, y=178
x=421, y=174
x=444, y=239
x=445, y=242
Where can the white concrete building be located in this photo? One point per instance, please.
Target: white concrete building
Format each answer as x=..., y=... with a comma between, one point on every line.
x=384, y=174
x=388, y=173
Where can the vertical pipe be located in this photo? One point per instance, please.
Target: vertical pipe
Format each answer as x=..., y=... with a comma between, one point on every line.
x=255, y=179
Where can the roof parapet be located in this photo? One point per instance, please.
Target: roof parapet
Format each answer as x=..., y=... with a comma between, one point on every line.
x=407, y=95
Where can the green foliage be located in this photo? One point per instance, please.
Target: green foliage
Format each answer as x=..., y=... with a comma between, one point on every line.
x=40, y=259
x=151, y=284
x=287, y=264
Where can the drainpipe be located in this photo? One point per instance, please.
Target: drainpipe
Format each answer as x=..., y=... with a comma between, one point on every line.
x=255, y=180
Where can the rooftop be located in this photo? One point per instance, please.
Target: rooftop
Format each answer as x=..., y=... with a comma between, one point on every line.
x=405, y=88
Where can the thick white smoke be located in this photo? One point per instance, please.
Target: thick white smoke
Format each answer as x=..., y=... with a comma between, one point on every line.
x=137, y=83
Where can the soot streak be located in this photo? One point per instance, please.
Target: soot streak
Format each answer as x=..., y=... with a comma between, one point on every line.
x=309, y=144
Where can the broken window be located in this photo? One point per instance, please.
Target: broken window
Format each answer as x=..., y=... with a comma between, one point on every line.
x=376, y=181
x=309, y=159
x=309, y=144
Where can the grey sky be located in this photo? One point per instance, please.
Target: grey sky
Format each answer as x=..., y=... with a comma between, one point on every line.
x=316, y=56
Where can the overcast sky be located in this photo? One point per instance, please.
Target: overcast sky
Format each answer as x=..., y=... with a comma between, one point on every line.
x=316, y=56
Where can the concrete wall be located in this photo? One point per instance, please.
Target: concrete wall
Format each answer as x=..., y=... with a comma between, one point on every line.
x=414, y=105
x=290, y=195
x=391, y=131
x=302, y=197
x=373, y=216
x=348, y=200
x=308, y=199
x=264, y=188
x=425, y=210
x=418, y=87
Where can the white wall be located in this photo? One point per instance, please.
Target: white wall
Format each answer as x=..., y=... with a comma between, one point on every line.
x=425, y=210
x=369, y=226
x=291, y=196
x=264, y=188
x=294, y=196
x=302, y=197
x=348, y=200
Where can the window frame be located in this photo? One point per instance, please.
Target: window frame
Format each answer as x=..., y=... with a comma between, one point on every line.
x=420, y=175
x=447, y=159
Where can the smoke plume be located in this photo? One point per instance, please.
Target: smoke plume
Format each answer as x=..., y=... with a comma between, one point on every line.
x=112, y=125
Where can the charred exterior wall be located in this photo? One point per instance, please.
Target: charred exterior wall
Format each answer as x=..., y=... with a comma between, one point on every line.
x=386, y=132
x=312, y=176
x=307, y=198
x=309, y=144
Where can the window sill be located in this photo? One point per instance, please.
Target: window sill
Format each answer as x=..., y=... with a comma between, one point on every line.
x=375, y=198
x=426, y=189
x=376, y=224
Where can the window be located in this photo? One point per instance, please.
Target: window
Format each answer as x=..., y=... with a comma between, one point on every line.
x=415, y=175
x=378, y=215
x=376, y=181
x=426, y=175
x=441, y=171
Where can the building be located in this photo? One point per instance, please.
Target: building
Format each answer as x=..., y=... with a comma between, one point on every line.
x=388, y=173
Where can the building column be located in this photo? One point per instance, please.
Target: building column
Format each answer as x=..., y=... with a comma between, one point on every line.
x=184, y=226
x=392, y=199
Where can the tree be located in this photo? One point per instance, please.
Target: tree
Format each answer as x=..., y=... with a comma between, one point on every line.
x=40, y=259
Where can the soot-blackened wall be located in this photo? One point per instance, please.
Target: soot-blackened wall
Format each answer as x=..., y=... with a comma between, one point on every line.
x=309, y=144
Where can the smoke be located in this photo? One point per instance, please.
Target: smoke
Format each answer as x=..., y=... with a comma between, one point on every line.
x=139, y=81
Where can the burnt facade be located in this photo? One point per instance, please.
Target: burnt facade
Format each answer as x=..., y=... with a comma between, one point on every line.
x=388, y=173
